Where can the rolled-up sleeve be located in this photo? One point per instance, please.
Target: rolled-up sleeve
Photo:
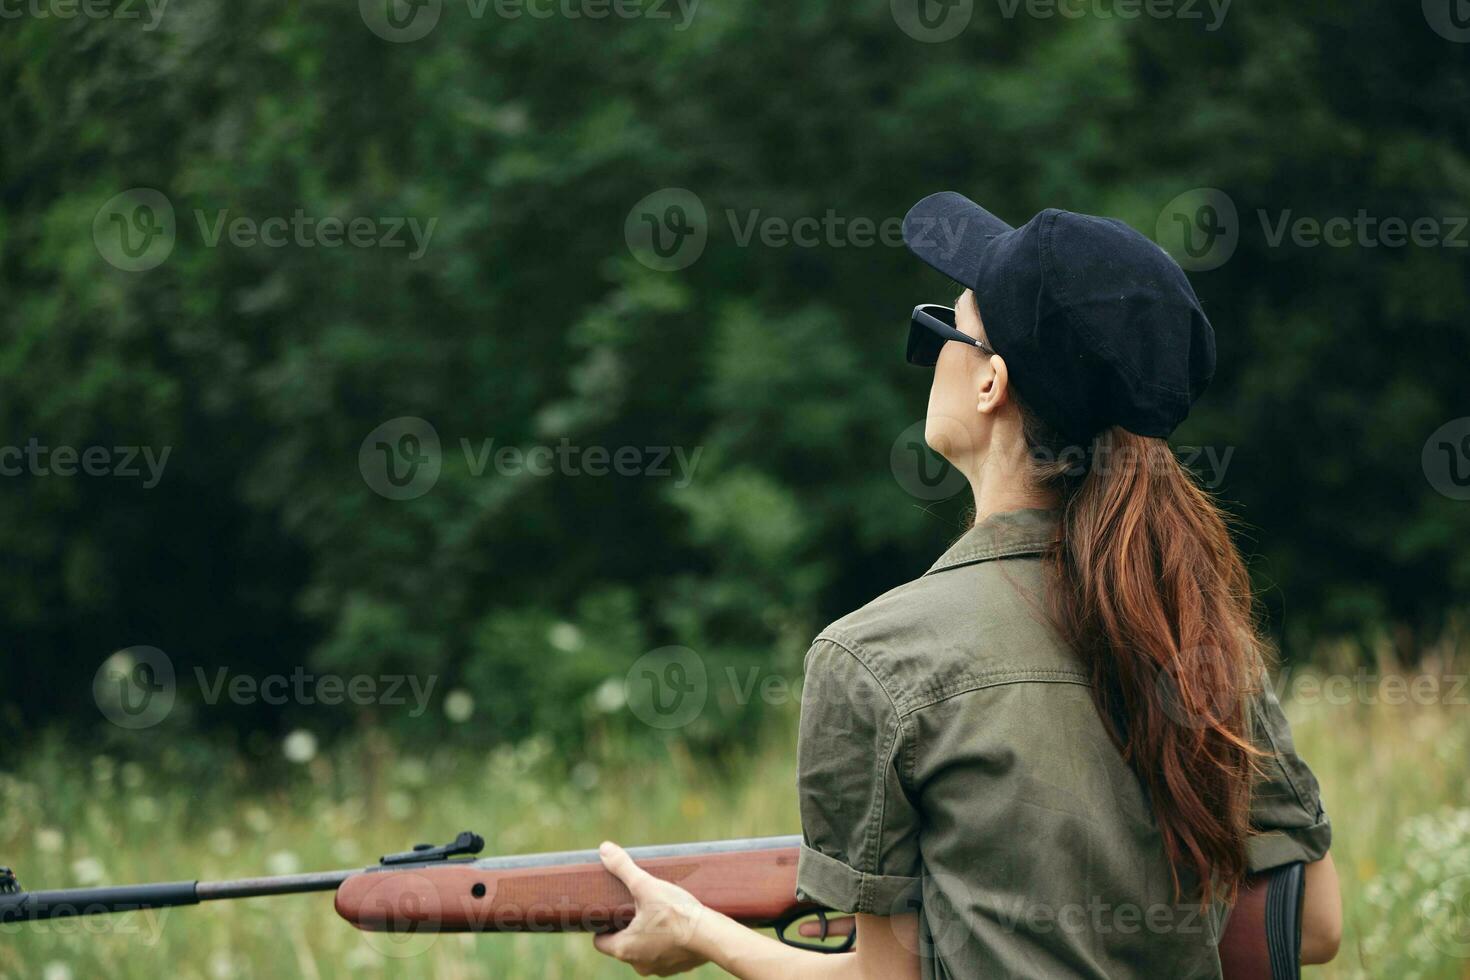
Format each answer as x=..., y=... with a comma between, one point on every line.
x=1287, y=817
x=860, y=850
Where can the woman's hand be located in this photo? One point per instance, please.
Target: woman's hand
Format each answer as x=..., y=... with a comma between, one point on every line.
x=657, y=941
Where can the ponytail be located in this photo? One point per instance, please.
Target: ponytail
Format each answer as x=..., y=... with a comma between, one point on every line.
x=1150, y=590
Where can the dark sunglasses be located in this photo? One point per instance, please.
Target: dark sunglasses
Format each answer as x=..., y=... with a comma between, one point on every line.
x=930, y=329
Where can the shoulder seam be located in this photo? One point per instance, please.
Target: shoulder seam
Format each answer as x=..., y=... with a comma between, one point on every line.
x=1000, y=679
x=854, y=649
x=905, y=705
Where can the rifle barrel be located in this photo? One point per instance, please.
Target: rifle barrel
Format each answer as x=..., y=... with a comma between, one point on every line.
x=316, y=881
x=64, y=902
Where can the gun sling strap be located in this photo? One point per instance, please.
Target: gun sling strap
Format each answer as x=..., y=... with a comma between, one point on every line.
x=1265, y=943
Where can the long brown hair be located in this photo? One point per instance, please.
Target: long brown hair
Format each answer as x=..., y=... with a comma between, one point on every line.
x=1150, y=590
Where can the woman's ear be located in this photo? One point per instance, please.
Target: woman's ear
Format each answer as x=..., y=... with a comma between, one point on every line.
x=994, y=386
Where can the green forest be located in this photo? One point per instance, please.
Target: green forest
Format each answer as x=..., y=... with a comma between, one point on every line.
x=246, y=248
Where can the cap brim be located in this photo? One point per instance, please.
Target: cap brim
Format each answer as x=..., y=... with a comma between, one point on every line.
x=950, y=232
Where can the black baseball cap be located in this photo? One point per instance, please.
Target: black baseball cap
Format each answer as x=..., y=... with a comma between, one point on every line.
x=1097, y=324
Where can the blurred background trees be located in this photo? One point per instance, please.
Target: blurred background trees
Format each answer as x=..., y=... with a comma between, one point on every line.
x=528, y=320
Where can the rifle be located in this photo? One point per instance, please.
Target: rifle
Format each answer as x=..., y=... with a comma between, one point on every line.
x=753, y=881
x=447, y=889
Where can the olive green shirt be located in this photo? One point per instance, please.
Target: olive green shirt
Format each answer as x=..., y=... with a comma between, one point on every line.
x=951, y=762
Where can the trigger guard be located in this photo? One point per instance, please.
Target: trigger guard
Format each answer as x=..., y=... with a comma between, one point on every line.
x=849, y=941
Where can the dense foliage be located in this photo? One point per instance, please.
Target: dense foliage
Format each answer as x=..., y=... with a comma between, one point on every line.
x=528, y=319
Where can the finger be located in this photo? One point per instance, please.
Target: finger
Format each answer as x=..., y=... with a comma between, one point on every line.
x=617, y=861
x=609, y=944
x=812, y=928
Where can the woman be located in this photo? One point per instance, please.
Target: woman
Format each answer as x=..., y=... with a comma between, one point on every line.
x=1053, y=754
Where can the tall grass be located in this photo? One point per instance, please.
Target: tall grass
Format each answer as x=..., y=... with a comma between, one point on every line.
x=1394, y=779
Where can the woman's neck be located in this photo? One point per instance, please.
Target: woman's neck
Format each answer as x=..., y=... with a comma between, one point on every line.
x=999, y=484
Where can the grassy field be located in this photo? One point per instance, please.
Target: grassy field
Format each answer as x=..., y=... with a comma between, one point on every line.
x=1395, y=782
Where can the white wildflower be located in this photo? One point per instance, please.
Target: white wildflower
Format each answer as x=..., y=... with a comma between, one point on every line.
x=88, y=871
x=566, y=637
x=299, y=746
x=459, y=705
x=283, y=863
x=610, y=695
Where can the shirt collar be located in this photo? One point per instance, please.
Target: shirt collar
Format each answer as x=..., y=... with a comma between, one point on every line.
x=1006, y=535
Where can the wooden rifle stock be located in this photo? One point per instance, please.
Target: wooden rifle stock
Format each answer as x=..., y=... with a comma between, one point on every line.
x=752, y=881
